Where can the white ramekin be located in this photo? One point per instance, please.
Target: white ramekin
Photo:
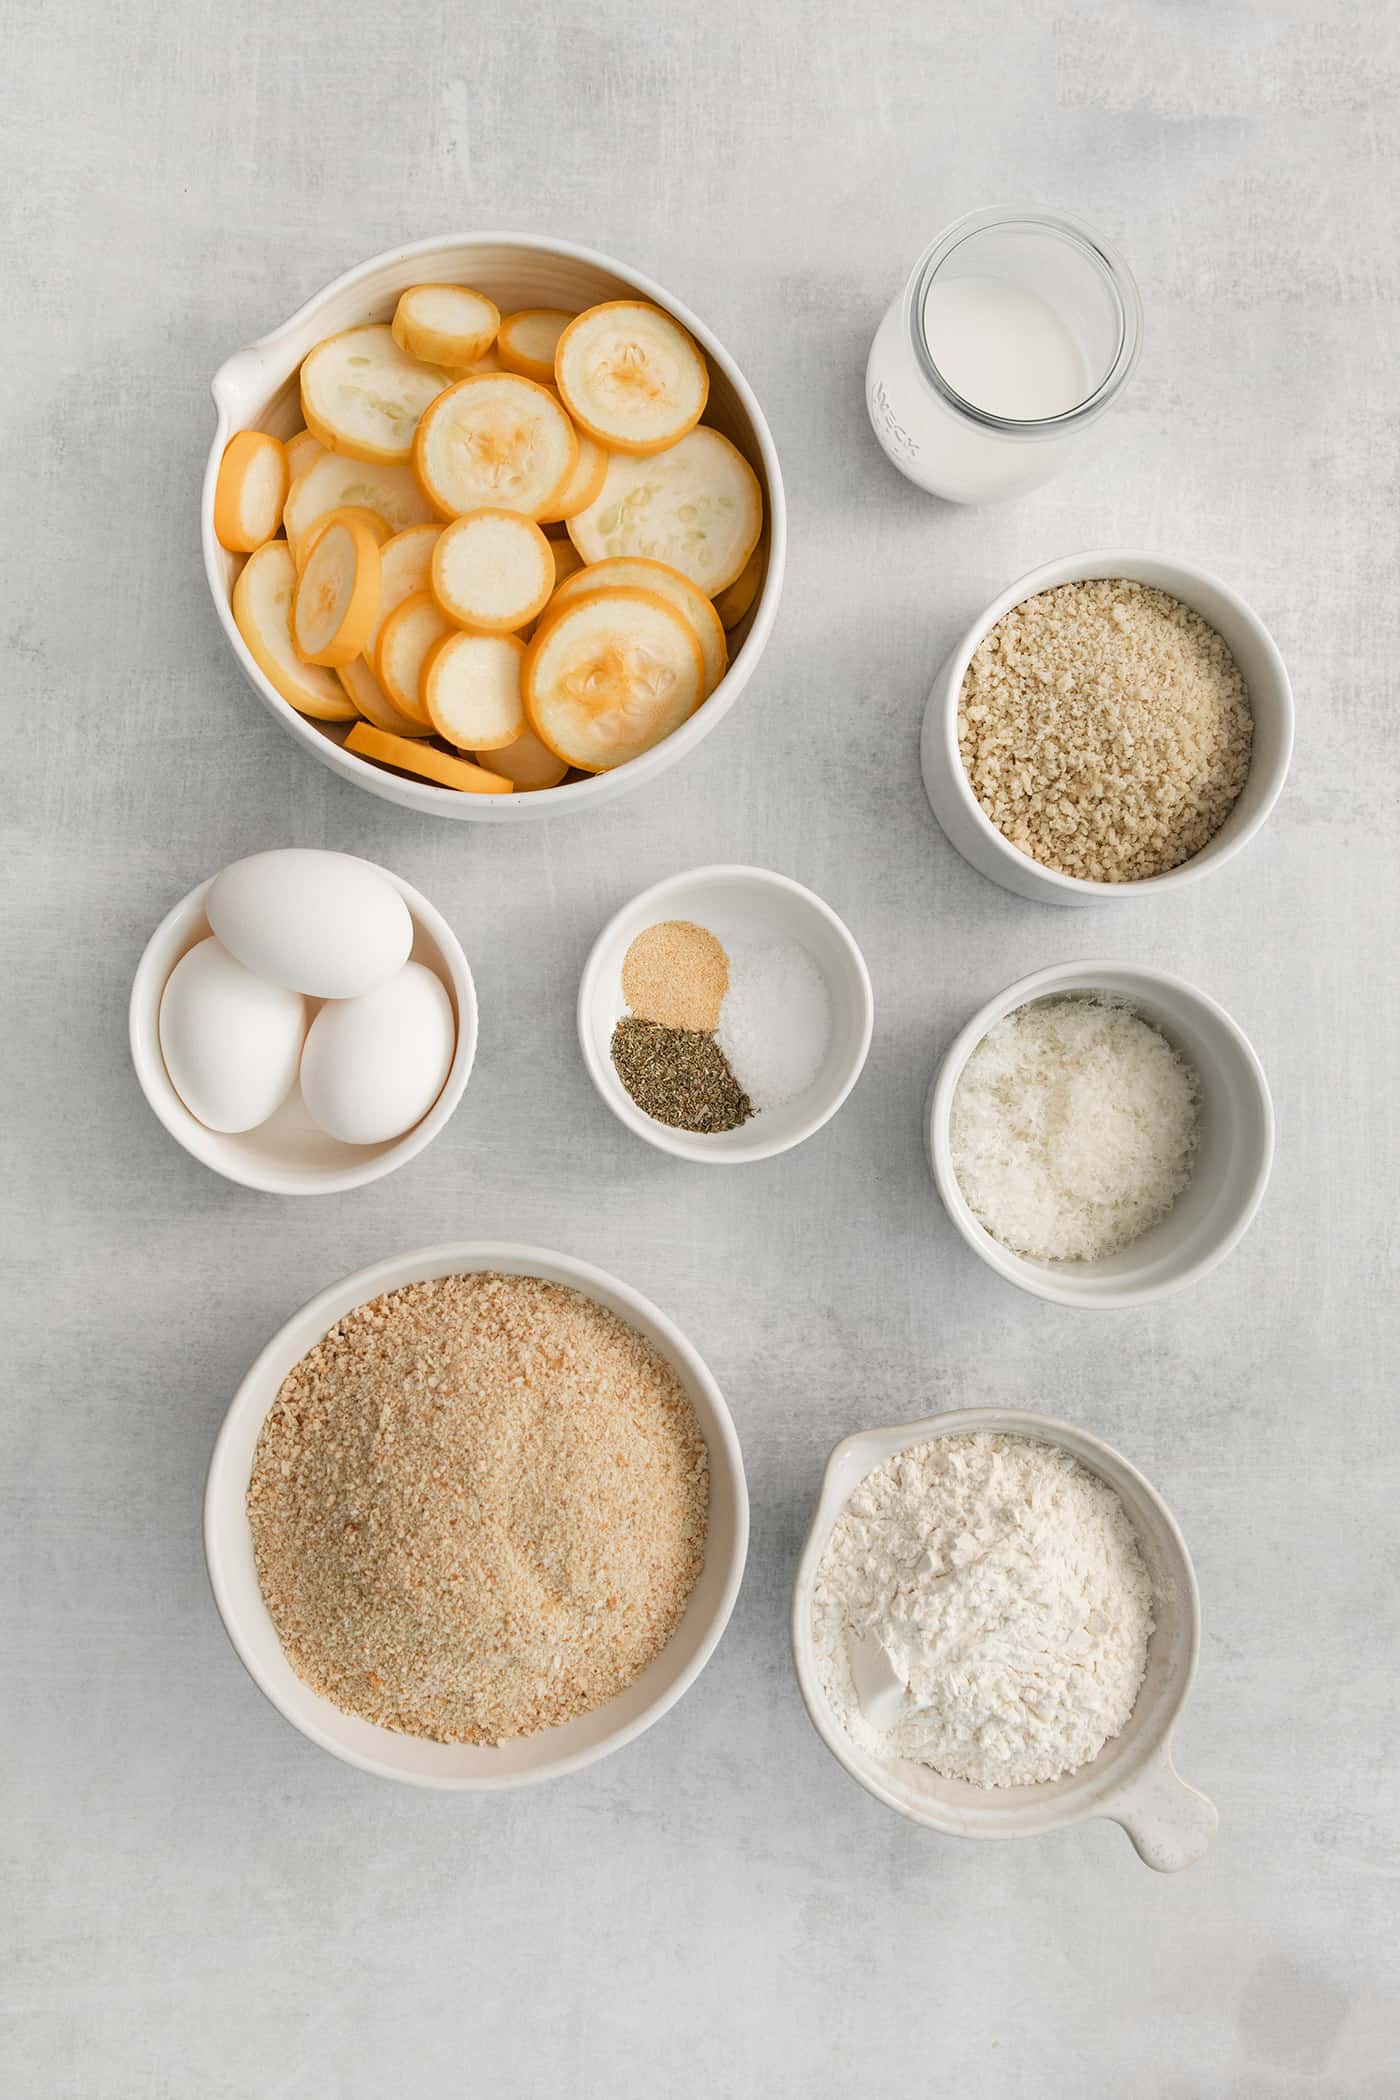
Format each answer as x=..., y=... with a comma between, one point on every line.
x=289, y=1155
x=760, y=904
x=468, y=1767
x=257, y=389
x=1271, y=699
x=1132, y=1781
x=1234, y=1155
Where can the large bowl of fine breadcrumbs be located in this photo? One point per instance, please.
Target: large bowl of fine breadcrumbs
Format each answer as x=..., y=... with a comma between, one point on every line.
x=476, y=1517
x=1112, y=724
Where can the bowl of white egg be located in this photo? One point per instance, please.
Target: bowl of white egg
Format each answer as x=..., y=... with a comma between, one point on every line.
x=303, y=1022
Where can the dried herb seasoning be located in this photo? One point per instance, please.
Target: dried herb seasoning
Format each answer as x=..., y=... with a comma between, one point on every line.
x=678, y=1075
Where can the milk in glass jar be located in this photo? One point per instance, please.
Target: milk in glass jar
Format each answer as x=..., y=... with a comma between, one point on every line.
x=1014, y=334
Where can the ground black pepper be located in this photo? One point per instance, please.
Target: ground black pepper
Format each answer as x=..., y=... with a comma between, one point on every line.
x=678, y=1076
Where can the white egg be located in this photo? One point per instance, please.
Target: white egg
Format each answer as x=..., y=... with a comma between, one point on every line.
x=321, y=923
x=231, y=1041
x=374, y=1066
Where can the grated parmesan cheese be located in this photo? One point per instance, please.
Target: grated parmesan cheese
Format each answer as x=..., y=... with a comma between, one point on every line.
x=1073, y=1128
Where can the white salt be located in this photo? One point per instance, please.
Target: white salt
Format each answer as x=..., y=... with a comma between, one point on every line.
x=775, y=1023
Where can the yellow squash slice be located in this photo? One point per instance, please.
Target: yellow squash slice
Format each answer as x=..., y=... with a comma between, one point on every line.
x=628, y=574
x=405, y=565
x=471, y=690
x=528, y=763
x=373, y=702
x=335, y=483
x=406, y=640
x=698, y=507
x=527, y=342
x=494, y=440
x=250, y=491
x=445, y=324
x=734, y=601
x=337, y=594
x=492, y=570
x=369, y=518
x=631, y=376
x=609, y=675
x=362, y=395
x=302, y=452
x=262, y=609
x=582, y=486
x=426, y=761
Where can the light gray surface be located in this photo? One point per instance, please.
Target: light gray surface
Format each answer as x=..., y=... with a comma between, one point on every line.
x=201, y=1903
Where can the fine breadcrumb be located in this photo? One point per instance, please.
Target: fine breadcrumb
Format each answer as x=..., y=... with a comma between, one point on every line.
x=478, y=1508
x=1105, y=728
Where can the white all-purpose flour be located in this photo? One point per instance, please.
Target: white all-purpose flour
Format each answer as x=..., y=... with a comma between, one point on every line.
x=982, y=1608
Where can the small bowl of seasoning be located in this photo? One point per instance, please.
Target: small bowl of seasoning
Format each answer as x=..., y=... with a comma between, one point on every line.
x=725, y=1014
x=1101, y=1134
x=1114, y=724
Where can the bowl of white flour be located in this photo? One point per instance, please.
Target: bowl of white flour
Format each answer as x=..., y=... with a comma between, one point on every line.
x=995, y=1626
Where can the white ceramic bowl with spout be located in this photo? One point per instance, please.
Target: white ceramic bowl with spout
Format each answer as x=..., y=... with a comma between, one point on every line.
x=1132, y=1781
x=1270, y=697
x=257, y=389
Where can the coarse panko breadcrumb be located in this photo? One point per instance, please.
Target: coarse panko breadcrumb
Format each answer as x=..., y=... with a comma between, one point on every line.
x=1105, y=729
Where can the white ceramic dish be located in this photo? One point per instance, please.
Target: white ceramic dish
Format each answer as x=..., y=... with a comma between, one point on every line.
x=257, y=389
x=290, y=1155
x=977, y=838
x=1132, y=1781
x=1234, y=1157
x=464, y=1767
x=734, y=903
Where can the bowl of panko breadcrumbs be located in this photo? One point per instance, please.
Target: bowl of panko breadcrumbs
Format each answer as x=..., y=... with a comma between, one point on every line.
x=476, y=1517
x=1113, y=724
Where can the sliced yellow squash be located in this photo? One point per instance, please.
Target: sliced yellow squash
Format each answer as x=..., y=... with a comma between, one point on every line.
x=445, y=324
x=471, y=690
x=362, y=395
x=250, y=491
x=492, y=570
x=337, y=592
x=631, y=376
x=698, y=507
x=426, y=761
x=609, y=675
x=527, y=342
x=624, y=572
x=494, y=440
x=406, y=641
x=262, y=609
x=334, y=482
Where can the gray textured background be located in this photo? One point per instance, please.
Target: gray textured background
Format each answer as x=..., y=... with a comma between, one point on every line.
x=202, y=1904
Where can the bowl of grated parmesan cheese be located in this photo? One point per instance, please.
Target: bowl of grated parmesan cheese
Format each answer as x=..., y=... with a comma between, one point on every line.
x=995, y=1626
x=1101, y=1134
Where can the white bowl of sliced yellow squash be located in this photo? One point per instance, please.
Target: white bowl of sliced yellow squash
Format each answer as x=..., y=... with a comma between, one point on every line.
x=494, y=526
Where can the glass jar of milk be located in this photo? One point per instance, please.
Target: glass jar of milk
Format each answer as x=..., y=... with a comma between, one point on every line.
x=1015, y=332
